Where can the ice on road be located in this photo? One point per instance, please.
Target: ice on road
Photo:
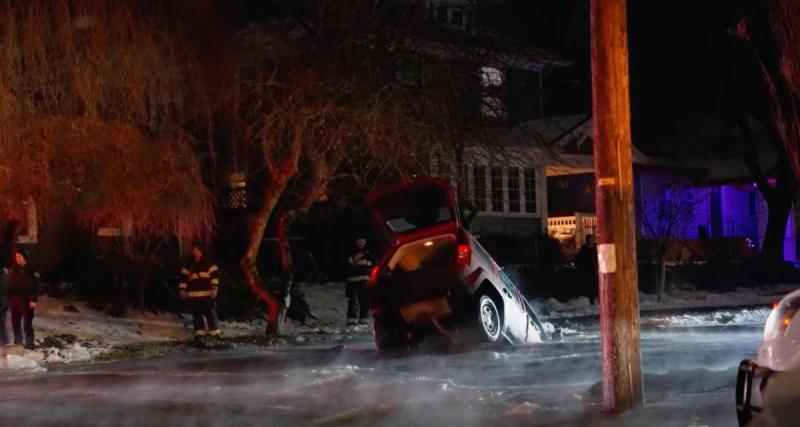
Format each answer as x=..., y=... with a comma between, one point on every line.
x=689, y=370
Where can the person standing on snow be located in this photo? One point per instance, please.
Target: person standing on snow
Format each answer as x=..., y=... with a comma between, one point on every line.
x=359, y=265
x=586, y=262
x=22, y=285
x=3, y=311
x=199, y=287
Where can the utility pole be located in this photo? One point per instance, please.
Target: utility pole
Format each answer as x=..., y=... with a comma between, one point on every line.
x=616, y=248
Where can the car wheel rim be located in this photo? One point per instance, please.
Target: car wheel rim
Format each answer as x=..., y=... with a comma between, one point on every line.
x=490, y=318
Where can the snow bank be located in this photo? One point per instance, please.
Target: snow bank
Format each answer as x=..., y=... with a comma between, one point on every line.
x=13, y=357
x=678, y=299
x=718, y=318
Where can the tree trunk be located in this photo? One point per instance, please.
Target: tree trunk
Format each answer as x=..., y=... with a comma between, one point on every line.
x=779, y=198
x=780, y=206
x=287, y=277
x=248, y=262
x=661, y=275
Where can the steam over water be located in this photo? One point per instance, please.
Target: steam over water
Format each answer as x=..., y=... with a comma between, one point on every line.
x=690, y=369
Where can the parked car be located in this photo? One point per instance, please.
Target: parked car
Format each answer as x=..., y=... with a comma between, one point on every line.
x=433, y=275
x=778, y=353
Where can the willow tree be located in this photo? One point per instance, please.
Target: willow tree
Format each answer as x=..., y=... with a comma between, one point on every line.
x=93, y=96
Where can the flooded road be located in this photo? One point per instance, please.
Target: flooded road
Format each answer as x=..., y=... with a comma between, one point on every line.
x=689, y=359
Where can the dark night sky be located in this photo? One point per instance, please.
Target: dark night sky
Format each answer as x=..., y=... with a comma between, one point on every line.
x=686, y=71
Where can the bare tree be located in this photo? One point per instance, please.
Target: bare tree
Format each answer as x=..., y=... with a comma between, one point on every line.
x=771, y=30
x=327, y=109
x=664, y=221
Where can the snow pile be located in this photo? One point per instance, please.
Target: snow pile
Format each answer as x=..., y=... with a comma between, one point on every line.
x=13, y=357
x=77, y=352
x=676, y=299
x=19, y=362
x=717, y=318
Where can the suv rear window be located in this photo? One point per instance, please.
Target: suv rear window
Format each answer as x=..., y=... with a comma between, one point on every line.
x=415, y=208
x=436, y=251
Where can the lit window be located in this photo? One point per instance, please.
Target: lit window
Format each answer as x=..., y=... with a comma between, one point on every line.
x=493, y=107
x=513, y=190
x=497, y=190
x=479, y=177
x=530, y=190
x=491, y=77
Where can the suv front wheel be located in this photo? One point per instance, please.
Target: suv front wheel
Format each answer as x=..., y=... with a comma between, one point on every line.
x=489, y=319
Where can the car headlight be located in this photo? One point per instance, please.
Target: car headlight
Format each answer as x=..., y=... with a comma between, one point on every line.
x=781, y=317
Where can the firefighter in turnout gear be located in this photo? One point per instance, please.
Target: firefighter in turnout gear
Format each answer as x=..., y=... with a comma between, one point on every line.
x=360, y=264
x=198, y=287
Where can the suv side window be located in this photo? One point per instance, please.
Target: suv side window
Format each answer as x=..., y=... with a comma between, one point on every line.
x=508, y=283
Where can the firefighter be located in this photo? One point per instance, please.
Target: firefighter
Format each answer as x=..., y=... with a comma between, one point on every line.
x=22, y=285
x=199, y=287
x=359, y=265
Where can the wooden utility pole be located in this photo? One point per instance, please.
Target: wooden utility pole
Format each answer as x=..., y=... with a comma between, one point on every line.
x=616, y=242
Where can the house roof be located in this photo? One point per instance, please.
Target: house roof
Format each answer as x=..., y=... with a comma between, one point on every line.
x=494, y=52
x=563, y=144
x=720, y=155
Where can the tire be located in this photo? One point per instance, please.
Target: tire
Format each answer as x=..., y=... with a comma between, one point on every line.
x=490, y=321
x=744, y=383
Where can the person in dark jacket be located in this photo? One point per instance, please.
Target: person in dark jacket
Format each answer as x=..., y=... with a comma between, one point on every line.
x=360, y=264
x=199, y=287
x=586, y=263
x=3, y=311
x=22, y=286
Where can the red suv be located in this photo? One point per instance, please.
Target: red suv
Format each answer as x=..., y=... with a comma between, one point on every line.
x=433, y=275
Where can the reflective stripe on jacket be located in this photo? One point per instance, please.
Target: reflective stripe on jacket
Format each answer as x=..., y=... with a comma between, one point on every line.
x=199, y=279
x=359, y=270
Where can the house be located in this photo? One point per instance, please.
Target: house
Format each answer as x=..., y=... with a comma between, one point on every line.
x=689, y=198
x=500, y=168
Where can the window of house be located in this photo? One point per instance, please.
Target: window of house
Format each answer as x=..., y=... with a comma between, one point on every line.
x=491, y=77
x=440, y=15
x=457, y=18
x=513, y=190
x=492, y=80
x=497, y=189
x=479, y=187
x=530, y=190
x=493, y=107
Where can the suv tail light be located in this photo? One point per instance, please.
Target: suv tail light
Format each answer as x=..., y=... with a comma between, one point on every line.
x=373, y=276
x=463, y=255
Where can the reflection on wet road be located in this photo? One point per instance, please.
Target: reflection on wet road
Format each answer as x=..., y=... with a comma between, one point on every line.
x=690, y=374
